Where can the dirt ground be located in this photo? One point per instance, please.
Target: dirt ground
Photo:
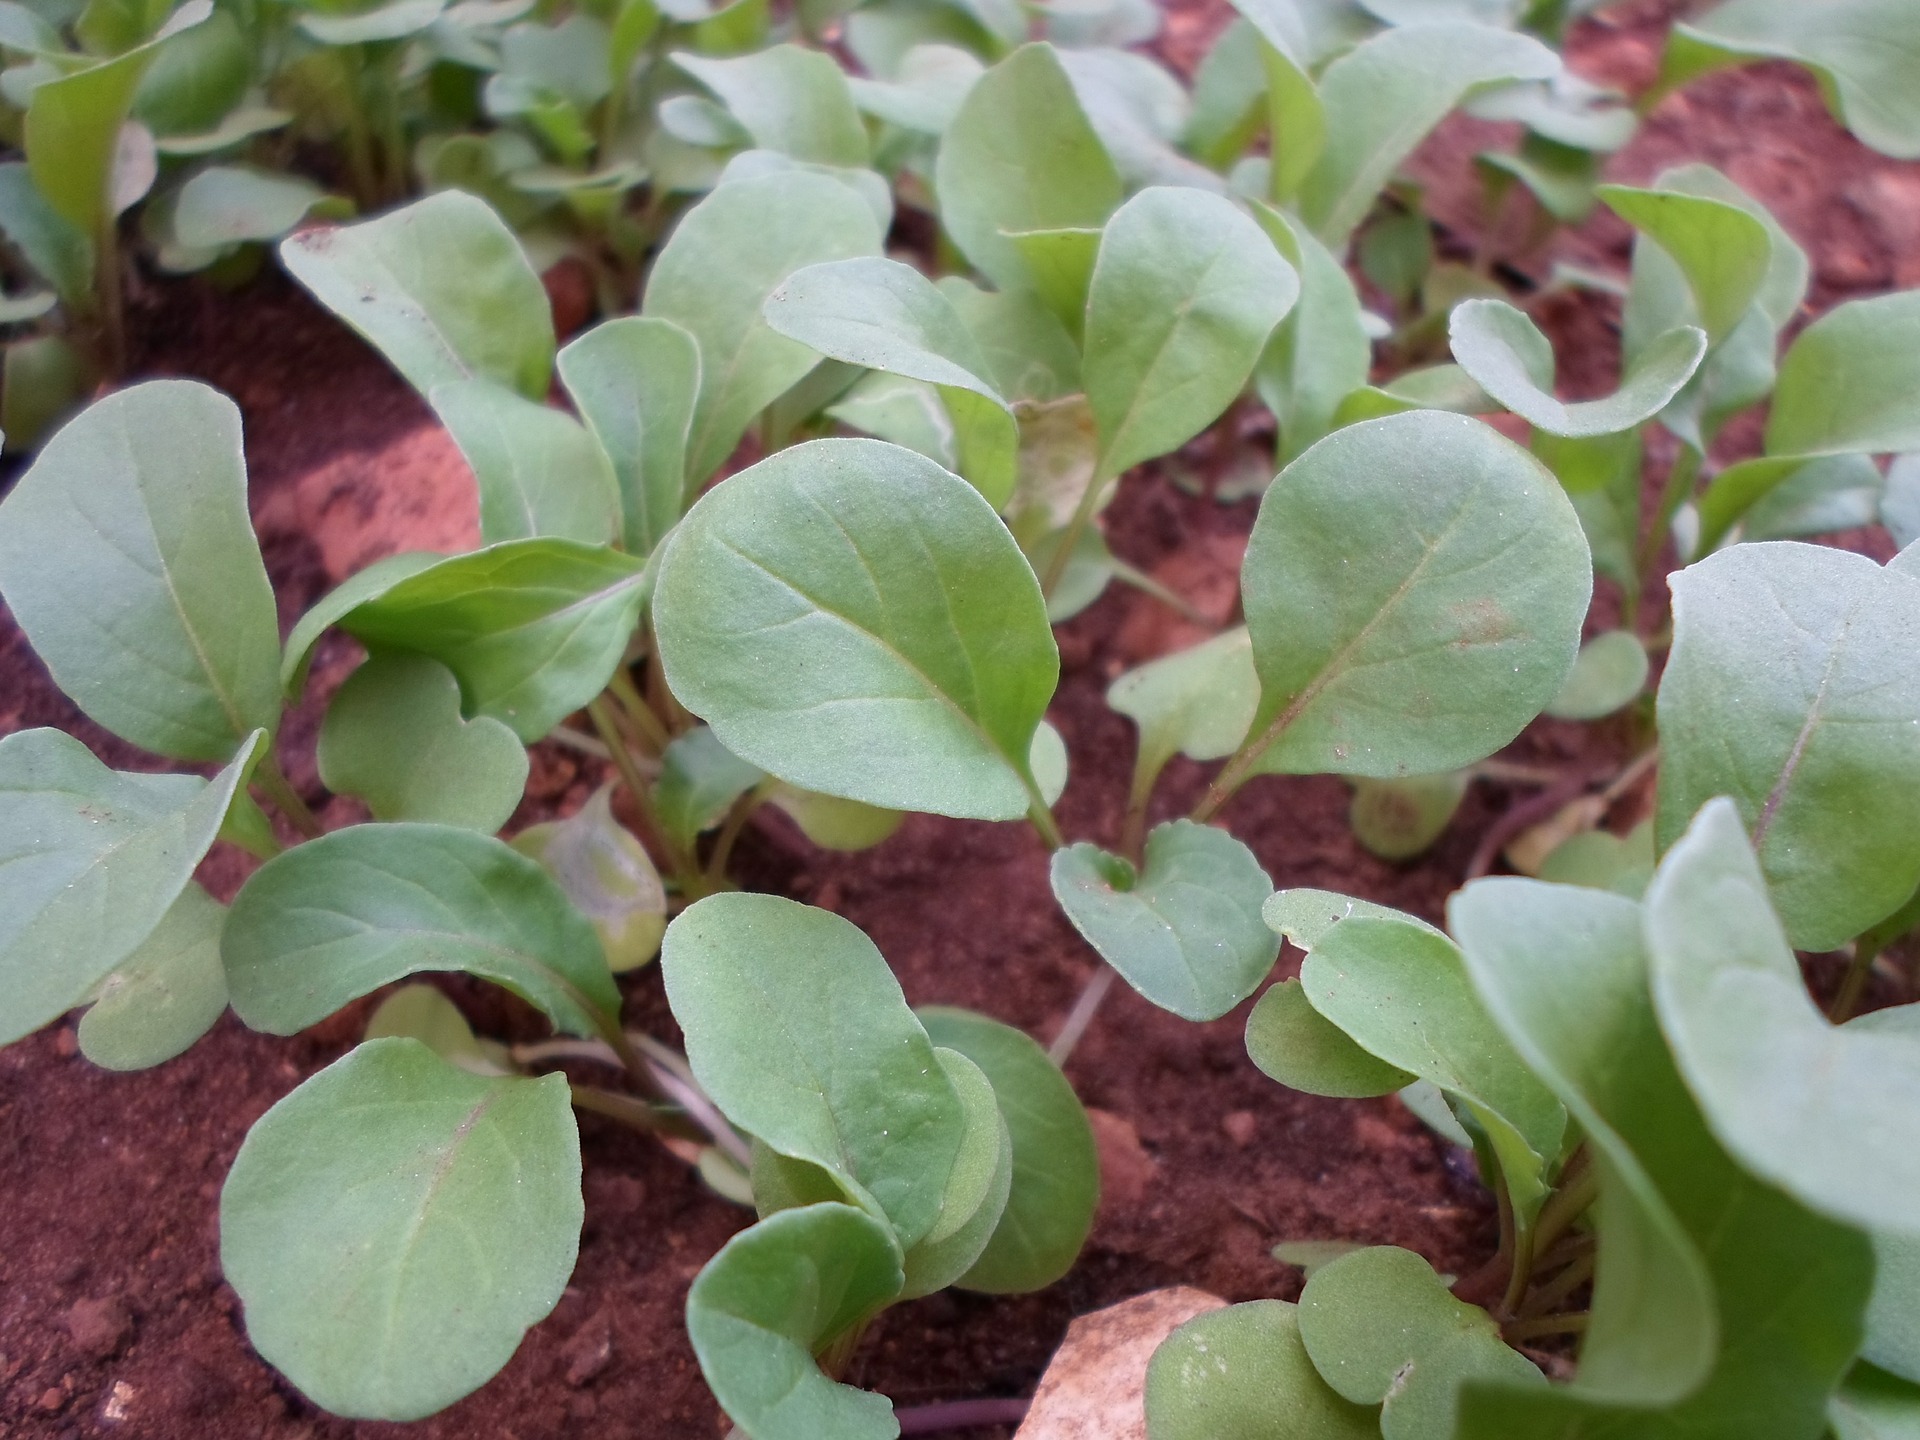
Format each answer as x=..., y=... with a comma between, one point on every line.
x=114, y=1319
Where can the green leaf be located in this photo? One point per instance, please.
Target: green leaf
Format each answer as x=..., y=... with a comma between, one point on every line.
x=1609, y=675
x=127, y=557
x=230, y=204
x=977, y=1187
x=58, y=251
x=394, y=736
x=197, y=78
x=854, y=619
x=700, y=778
x=1242, y=1374
x=789, y=99
x=1873, y=1405
x=1602, y=479
x=1184, y=294
x=90, y=861
x=395, y=20
x=774, y=1297
x=1320, y=354
x=1859, y=50
x=635, y=382
x=1186, y=930
x=900, y=411
x=395, y=1225
x=1792, y=686
x=440, y=287
x=1020, y=156
x=1305, y=916
x=1604, y=861
x=882, y=315
x=1056, y=1169
x=1031, y=355
x=836, y=824
x=1503, y=350
x=1826, y=1113
x=533, y=628
x=1415, y=587
x=423, y=1013
x=1060, y=264
x=71, y=133
x=1851, y=381
x=368, y=584
x=1402, y=992
x=1295, y=1044
x=165, y=995
x=540, y=471
x=607, y=875
x=1723, y=250
x=797, y=1029
x=1893, y=1317
x=338, y=917
x=1379, y=1325
x=724, y=258
x=1692, y=1332
x=1397, y=819
x=1383, y=97
x=1196, y=702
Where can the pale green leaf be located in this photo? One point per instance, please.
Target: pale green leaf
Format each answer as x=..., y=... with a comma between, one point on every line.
x=789, y=99
x=1723, y=250
x=1608, y=676
x=540, y=471
x=1320, y=353
x=977, y=1188
x=1242, y=1374
x=396, y=1225
x=230, y=204
x=1398, y=819
x=338, y=917
x=854, y=619
x=700, y=778
x=1196, y=702
x=128, y=558
x=1851, y=381
x=165, y=995
x=1296, y=1045
x=607, y=875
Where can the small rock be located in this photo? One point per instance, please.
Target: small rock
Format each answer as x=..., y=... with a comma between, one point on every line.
x=99, y=1328
x=65, y=1043
x=119, y=1404
x=589, y=1352
x=1241, y=1127
x=52, y=1398
x=1095, y=1385
x=1125, y=1167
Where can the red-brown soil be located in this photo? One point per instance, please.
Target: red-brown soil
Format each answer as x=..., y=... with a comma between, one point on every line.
x=114, y=1319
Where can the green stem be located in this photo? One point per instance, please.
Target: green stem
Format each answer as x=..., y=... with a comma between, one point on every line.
x=269, y=777
x=1545, y=1326
x=684, y=872
x=1042, y=817
x=1560, y=1287
x=1139, y=579
x=1070, y=537
x=1679, y=486
x=645, y=723
x=360, y=161
x=106, y=279
x=1854, y=984
x=1575, y=1196
x=638, y=1114
x=731, y=828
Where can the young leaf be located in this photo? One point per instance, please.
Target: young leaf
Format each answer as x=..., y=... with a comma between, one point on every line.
x=1295, y=1044
x=1185, y=931
x=539, y=470
x=1513, y=362
x=1414, y=587
x=440, y=287
x=1306, y=916
x=1857, y=48
x=789, y=99
x=1609, y=675
x=1397, y=819
x=1690, y=1325
x=165, y=995
x=452, y=1198
x=1060, y=264
x=727, y=254
x=635, y=381
x=608, y=877
x=1320, y=353
x=338, y=917
x=797, y=1029
x=1873, y=1405
x=1604, y=861
x=977, y=1187
x=1826, y=1113
x=1851, y=381
x=1242, y=1374
x=852, y=618
x=1184, y=294
x=127, y=557
x=1401, y=991
x=775, y=1296
x=56, y=250
x=1056, y=1171
x=91, y=860
x=230, y=204
x=1792, y=686
x=699, y=780
x=1196, y=702
x=424, y=1013
x=836, y=824
x=882, y=315
x=1380, y=1326
x=1021, y=156
x=1723, y=250
x=532, y=628
x=1383, y=97
x=394, y=736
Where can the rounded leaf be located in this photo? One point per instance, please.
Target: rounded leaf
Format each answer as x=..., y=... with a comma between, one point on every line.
x=856, y=620
x=395, y=1225
x=1242, y=1374
x=1295, y=1044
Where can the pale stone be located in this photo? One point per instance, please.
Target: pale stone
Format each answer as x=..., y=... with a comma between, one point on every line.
x=1095, y=1387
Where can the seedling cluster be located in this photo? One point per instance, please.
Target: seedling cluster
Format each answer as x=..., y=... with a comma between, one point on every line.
x=1706, y=1183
